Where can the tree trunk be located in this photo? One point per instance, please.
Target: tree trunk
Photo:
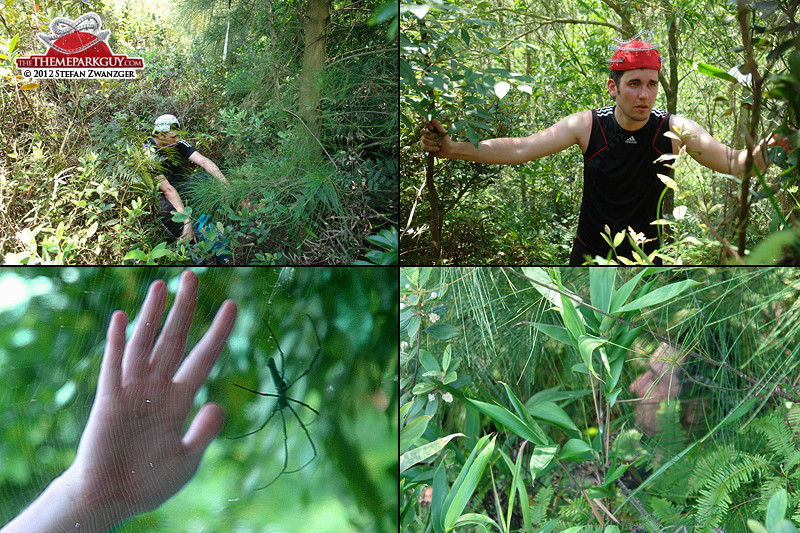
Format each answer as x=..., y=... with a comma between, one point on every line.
x=318, y=17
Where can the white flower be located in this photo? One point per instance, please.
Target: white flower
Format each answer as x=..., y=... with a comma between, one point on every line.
x=402, y=306
x=404, y=346
x=447, y=397
x=434, y=317
x=408, y=286
x=434, y=295
x=431, y=397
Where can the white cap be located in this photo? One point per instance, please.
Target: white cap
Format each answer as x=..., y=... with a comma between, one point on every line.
x=165, y=123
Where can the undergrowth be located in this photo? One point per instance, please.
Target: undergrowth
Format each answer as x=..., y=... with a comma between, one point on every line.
x=77, y=188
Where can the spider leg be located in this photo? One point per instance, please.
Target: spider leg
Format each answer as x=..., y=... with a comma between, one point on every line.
x=256, y=392
x=276, y=341
x=262, y=425
x=285, y=453
x=313, y=448
x=319, y=349
x=301, y=403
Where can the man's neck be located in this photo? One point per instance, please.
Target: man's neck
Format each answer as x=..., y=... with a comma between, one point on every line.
x=627, y=123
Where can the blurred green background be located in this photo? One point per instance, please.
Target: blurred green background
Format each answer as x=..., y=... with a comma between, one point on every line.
x=52, y=330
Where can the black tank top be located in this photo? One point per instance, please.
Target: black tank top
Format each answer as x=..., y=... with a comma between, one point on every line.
x=620, y=183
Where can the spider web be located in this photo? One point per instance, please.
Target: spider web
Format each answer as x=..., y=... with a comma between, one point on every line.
x=53, y=323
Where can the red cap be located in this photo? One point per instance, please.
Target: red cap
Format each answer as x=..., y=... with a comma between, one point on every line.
x=636, y=54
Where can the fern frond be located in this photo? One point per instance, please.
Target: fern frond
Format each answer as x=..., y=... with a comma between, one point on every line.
x=541, y=503
x=715, y=496
x=707, y=464
x=779, y=437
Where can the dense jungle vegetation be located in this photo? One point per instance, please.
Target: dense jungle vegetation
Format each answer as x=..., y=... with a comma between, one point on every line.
x=293, y=100
x=599, y=400
x=511, y=68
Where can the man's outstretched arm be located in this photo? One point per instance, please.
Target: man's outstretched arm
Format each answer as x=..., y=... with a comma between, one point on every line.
x=134, y=454
x=509, y=151
x=713, y=154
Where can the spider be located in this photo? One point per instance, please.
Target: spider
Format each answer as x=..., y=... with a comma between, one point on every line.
x=283, y=402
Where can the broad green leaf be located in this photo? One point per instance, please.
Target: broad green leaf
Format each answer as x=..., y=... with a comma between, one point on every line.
x=516, y=404
x=776, y=509
x=475, y=518
x=466, y=482
x=552, y=413
x=155, y=254
x=616, y=474
x=135, y=254
x=755, y=527
x=418, y=10
x=446, y=357
x=501, y=88
x=553, y=394
x=472, y=135
x=572, y=320
x=601, y=288
x=711, y=70
x=621, y=295
x=575, y=450
x=558, y=333
x=440, y=493
x=412, y=457
x=412, y=431
x=669, y=182
x=586, y=346
x=510, y=421
x=611, y=529
x=538, y=274
x=542, y=456
x=785, y=526
x=413, y=325
x=441, y=331
x=428, y=361
x=659, y=295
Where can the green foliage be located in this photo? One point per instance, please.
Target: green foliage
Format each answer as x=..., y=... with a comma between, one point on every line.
x=487, y=72
x=316, y=212
x=544, y=366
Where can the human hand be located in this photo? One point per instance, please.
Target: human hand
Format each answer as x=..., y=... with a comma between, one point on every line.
x=773, y=154
x=435, y=138
x=133, y=455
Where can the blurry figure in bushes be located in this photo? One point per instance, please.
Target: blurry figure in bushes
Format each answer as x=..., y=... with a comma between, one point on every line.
x=662, y=382
x=170, y=155
x=621, y=147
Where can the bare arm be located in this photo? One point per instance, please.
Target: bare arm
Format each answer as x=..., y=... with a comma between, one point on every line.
x=171, y=194
x=713, y=154
x=511, y=151
x=208, y=165
x=135, y=452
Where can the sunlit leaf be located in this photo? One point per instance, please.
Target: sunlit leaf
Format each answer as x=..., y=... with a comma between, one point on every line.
x=501, y=88
x=412, y=457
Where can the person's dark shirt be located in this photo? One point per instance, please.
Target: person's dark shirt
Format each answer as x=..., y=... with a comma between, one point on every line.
x=171, y=161
x=621, y=186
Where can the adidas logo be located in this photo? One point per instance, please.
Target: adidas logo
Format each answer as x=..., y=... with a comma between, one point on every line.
x=630, y=140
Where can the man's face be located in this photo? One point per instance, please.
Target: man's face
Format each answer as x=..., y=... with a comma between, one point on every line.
x=167, y=138
x=636, y=93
